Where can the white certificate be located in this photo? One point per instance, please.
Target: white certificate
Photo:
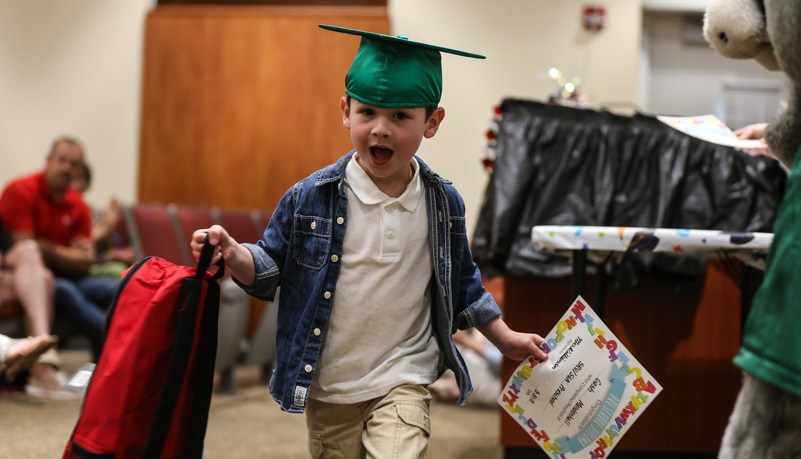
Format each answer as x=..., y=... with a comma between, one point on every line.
x=711, y=129
x=586, y=396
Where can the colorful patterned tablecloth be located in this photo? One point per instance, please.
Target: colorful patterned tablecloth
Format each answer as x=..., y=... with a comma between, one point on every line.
x=750, y=247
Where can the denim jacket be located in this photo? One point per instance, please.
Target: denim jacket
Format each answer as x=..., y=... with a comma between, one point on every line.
x=300, y=253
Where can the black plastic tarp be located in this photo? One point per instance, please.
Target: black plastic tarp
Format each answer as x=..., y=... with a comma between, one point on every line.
x=559, y=165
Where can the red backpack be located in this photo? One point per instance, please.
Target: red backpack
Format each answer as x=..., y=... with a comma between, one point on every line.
x=149, y=395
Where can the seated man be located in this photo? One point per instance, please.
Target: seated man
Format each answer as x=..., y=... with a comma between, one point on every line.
x=45, y=208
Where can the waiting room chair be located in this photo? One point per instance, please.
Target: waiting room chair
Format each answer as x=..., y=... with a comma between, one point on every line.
x=153, y=233
x=243, y=225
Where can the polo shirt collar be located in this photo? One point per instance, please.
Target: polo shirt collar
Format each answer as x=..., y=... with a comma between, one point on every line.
x=367, y=192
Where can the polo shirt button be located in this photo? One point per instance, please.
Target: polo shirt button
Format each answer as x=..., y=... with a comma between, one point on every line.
x=327, y=295
x=313, y=225
x=317, y=332
x=390, y=209
x=334, y=258
x=340, y=220
x=308, y=368
x=390, y=235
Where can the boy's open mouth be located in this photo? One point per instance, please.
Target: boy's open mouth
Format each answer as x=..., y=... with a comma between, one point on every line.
x=380, y=154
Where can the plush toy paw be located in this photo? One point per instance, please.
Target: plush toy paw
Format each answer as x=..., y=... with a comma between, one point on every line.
x=783, y=134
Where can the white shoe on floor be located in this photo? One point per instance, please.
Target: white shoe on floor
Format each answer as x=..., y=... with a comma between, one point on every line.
x=51, y=389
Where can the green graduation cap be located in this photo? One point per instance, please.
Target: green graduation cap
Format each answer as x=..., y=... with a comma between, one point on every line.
x=395, y=71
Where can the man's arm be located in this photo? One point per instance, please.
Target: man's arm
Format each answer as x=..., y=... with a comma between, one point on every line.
x=71, y=261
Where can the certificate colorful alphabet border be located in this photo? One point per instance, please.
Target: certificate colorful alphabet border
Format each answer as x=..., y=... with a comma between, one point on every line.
x=586, y=395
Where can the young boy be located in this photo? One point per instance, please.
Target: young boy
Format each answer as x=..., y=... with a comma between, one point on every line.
x=372, y=258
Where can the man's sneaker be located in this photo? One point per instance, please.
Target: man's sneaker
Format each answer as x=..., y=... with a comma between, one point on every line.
x=50, y=389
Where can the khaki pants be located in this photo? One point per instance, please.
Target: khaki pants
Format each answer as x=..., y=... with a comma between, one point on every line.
x=395, y=426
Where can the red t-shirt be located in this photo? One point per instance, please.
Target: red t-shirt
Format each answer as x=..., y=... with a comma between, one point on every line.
x=26, y=205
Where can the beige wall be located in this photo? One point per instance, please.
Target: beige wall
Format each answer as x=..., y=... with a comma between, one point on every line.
x=74, y=67
x=522, y=39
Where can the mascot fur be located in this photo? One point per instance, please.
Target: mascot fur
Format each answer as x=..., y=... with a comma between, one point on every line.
x=766, y=420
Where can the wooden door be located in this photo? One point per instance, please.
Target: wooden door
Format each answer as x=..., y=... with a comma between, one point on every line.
x=240, y=102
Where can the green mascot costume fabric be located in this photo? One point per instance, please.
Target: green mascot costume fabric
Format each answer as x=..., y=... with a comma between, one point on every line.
x=766, y=421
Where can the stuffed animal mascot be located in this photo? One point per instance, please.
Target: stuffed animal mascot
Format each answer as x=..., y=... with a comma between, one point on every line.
x=766, y=420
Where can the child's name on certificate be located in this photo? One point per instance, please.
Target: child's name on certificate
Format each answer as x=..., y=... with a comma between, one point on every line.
x=586, y=395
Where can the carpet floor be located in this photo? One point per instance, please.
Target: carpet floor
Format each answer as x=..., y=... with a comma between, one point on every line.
x=247, y=425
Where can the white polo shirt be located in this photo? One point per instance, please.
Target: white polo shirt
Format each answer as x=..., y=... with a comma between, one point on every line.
x=379, y=333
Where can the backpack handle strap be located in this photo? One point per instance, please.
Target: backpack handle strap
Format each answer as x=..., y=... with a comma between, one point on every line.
x=204, y=263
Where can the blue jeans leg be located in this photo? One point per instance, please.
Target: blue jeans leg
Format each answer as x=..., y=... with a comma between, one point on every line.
x=84, y=303
x=99, y=290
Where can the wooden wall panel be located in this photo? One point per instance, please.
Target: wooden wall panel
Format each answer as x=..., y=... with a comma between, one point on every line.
x=239, y=103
